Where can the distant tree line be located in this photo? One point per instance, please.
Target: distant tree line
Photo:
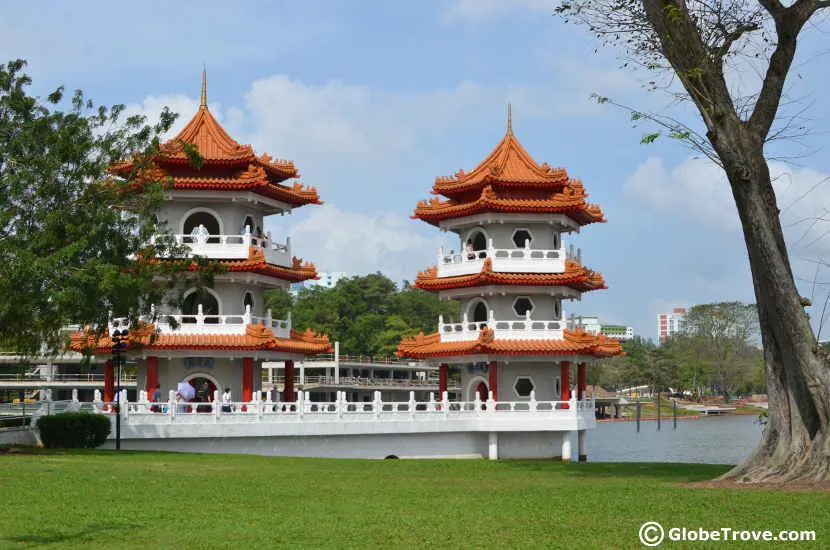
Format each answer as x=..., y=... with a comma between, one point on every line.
x=718, y=354
x=368, y=315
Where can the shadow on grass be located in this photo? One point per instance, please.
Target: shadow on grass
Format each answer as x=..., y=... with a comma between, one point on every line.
x=668, y=472
x=52, y=536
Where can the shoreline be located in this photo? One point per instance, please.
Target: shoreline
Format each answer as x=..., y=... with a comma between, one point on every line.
x=679, y=417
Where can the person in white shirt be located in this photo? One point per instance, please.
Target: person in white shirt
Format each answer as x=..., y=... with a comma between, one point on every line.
x=226, y=401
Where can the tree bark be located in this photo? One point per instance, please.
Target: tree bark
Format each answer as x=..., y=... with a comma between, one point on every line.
x=796, y=442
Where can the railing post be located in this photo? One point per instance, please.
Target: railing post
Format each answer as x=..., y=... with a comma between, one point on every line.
x=75, y=395
x=378, y=404
x=340, y=403
x=431, y=406
x=217, y=409
x=532, y=402
x=445, y=402
x=412, y=404
x=302, y=397
x=491, y=402
x=171, y=405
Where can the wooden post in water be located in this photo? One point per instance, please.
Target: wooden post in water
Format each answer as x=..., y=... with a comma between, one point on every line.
x=674, y=412
x=638, y=415
x=658, y=411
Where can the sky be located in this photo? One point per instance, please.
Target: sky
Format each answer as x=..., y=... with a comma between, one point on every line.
x=372, y=100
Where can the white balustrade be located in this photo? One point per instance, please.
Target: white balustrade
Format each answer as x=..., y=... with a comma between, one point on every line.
x=503, y=329
x=220, y=324
x=234, y=247
x=504, y=260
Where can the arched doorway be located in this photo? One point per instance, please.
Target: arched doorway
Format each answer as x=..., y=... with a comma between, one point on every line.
x=477, y=314
x=205, y=387
x=477, y=387
x=209, y=303
x=206, y=219
x=248, y=226
x=478, y=239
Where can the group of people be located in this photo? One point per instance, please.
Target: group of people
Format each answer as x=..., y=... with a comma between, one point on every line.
x=181, y=400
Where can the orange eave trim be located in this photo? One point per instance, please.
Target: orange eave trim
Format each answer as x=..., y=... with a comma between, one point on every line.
x=571, y=201
x=256, y=338
x=575, y=342
x=575, y=276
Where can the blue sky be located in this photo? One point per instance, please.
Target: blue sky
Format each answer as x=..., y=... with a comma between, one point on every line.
x=374, y=99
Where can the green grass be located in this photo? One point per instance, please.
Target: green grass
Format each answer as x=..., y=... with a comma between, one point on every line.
x=99, y=499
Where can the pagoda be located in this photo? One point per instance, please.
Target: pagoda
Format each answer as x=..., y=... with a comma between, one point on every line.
x=220, y=335
x=511, y=274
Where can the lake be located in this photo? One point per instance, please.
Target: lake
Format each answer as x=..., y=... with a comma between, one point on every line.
x=711, y=440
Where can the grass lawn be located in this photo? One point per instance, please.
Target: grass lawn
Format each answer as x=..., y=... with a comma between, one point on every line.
x=101, y=499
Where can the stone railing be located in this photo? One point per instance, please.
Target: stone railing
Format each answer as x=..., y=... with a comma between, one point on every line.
x=235, y=247
x=144, y=412
x=199, y=323
x=507, y=260
x=503, y=329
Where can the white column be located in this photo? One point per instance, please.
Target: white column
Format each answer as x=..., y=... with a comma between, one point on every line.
x=583, y=453
x=493, y=446
x=337, y=363
x=302, y=374
x=569, y=444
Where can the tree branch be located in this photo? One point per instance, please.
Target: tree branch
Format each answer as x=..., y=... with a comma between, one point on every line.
x=788, y=24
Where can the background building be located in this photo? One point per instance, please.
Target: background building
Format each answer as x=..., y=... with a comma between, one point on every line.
x=669, y=324
x=326, y=280
x=592, y=325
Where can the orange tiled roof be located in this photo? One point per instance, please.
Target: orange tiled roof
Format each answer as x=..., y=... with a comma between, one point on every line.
x=570, y=201
x=299, y=270
x=254, y=178
x=509, y=164
x=575, y=276
x=574, y=343
x=220, y=152
x=212, y=141
x=256, y=338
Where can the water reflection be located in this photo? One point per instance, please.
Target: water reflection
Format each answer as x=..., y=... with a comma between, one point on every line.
x=714, y=440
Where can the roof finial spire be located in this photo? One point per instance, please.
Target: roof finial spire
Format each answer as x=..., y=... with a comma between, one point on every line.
x=509, y=118
x=204, y=87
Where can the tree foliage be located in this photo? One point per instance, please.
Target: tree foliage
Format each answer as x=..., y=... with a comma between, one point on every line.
x=717, y=355
x=70, y=234
x=368, y=315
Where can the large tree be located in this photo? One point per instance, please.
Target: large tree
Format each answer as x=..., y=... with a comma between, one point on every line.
x=696, y=40
x=70, y=234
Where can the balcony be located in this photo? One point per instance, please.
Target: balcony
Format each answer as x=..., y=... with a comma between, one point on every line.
x=523, y=329
x=234, y=247
x=506, y=260
x=212, y=324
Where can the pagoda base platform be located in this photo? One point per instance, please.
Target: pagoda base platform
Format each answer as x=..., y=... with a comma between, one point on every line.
x=375, y=430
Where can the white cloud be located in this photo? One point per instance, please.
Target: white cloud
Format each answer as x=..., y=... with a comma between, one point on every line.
x=481, y=10
x=698, y=191
x=358, y=243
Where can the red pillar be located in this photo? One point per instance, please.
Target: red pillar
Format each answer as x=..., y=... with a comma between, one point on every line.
x=565, y=381
x=493, y=379
x=109, y=382
x=580, y=381
x=443, y=375
x=247, y=379
x=152, y=375
x=288, y=391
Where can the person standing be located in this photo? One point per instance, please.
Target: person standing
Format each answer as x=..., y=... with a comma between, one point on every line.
x=226, y=401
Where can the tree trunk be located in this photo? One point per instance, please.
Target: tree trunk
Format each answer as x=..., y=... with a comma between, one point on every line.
x=796, y=442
